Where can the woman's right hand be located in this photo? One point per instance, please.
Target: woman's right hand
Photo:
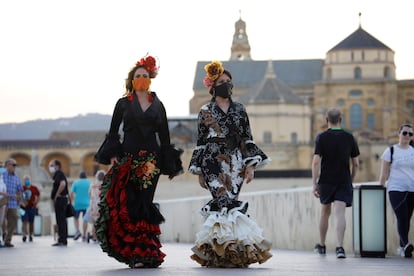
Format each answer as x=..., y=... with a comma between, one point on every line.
x=202, y=182
x=114, y=160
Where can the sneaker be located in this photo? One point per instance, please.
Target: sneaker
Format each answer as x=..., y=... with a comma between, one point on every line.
x=83, y=239
x=321, y=249
x=408, y=250
x=24, y=238
x=59, y=244
x=340, y=252
x=400, y=251
x=77, y=235
x=30, y=238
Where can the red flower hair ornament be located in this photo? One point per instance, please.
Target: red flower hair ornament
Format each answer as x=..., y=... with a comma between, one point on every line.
x=150, y=64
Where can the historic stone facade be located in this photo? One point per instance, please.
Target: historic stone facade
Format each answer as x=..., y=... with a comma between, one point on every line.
x=286, y=101
x=358, y=76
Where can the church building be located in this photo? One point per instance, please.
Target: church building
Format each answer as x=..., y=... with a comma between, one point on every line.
x=287, y=99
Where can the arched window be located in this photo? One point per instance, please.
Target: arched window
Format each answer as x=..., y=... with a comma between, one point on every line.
x=294, y=138
x=370, y=102
x=340, y=103
x=357, y=73
x=355, y=93
x=387, y=72
x=355, y=116
x=410, y=106
x=370, y=121
x=329, y=73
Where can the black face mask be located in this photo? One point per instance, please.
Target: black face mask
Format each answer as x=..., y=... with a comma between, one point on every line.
x=223, y=90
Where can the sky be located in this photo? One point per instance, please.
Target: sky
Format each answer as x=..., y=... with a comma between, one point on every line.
x=63, y=58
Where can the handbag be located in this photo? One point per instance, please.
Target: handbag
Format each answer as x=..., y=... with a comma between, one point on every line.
x=70, y=211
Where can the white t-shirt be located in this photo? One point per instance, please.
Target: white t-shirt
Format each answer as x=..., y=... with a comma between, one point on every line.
x=402, y=169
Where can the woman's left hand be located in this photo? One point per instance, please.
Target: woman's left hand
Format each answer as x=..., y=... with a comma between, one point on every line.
x=249, y=174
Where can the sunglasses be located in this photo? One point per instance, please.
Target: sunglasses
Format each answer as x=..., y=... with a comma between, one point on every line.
x=405, y=133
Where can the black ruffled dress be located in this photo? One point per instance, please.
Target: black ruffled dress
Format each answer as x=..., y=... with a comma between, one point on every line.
x=128, y=225
x=229, y=237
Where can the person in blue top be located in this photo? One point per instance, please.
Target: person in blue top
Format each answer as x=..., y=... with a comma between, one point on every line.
x=14, y=190
x=80, y=198
x=332, y=176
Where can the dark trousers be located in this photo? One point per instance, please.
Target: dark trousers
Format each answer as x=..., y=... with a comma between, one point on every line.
x=403, y=205
x=61, y=204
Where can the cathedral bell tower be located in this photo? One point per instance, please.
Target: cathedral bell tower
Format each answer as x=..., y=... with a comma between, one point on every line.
x=240, y=48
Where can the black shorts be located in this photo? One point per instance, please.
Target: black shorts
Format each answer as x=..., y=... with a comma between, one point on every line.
x=331, y=192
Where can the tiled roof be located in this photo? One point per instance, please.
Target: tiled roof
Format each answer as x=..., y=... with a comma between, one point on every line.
x=270, y=90
x=248, y=73
x=360, y=39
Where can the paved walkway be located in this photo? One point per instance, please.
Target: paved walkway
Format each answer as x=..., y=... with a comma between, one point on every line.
x=40, y=258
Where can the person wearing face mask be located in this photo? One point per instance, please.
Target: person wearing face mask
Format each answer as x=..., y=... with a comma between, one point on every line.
x=397, y=173
x=59, y=196
x=225, y=157
x=128, y=223
x=30, y=198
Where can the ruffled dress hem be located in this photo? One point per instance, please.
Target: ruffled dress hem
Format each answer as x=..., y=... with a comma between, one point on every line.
x=230, y=239
x=127, y=240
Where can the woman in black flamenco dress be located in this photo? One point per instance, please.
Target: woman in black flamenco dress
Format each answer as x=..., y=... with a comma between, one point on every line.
x=128, y=225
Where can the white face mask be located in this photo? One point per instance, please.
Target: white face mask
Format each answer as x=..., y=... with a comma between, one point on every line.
x=52, y=169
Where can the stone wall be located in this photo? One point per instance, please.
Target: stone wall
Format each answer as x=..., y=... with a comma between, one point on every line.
x=289, y=218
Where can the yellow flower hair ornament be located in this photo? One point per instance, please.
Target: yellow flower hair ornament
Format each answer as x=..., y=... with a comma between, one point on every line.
x=214, y=70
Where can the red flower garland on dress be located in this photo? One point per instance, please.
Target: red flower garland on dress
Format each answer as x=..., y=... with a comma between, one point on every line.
x=121, y=230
